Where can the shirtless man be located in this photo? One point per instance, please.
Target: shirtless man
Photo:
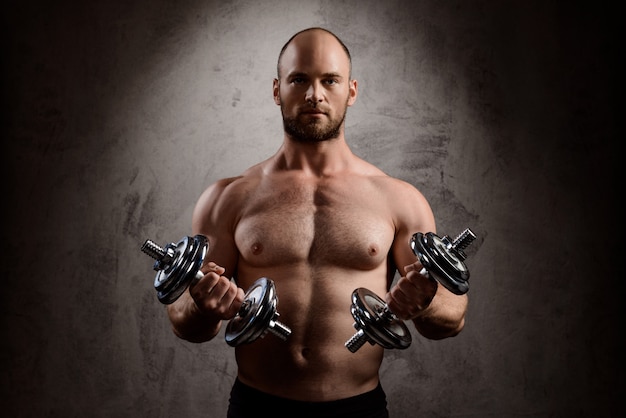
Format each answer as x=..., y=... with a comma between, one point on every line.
x=320, y=222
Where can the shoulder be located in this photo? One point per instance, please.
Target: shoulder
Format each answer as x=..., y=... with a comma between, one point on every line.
x=407, y=204
x=233, y=187
x=219, y=202
x=398, y=192
x=391, y=187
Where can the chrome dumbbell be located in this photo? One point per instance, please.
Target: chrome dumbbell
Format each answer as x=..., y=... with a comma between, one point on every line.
x=442, y=260
x=256, y=316
x=178, y=265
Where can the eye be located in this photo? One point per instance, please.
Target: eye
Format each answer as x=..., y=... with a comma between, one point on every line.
x=297, y=80
x=331, y=81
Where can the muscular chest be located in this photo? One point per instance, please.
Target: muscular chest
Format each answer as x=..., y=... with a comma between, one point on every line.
x=334, y=223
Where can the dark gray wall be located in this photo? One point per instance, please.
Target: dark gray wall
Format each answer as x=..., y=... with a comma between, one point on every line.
x=119, y=113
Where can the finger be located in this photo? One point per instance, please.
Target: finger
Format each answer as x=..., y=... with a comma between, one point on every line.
x=211, y=267
x=417, y=266
x=409, y=297
x=208, y=291
x=403, y=292
x=206, y=282
x=422, y=280
x=398, y=303
x=221, y=289
x=233, y=299
x=398, y=310
x=426, y=287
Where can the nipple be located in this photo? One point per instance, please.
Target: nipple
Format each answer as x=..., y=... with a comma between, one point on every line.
x=257, y=248
x=305, y=352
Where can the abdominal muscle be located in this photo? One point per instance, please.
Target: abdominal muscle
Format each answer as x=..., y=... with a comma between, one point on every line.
x=313, y=364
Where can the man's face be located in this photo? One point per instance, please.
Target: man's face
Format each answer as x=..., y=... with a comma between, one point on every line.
x=314, y=89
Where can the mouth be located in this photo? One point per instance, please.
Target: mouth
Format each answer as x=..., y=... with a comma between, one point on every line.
x=313, y=112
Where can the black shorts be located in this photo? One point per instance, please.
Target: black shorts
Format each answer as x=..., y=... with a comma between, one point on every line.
x=247, y=402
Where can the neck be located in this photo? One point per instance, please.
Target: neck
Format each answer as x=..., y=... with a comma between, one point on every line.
x=318, y=159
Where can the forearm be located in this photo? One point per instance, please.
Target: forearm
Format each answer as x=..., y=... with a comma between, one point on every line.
x=189, y=323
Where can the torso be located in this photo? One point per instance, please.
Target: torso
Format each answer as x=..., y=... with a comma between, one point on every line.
x=318, y=239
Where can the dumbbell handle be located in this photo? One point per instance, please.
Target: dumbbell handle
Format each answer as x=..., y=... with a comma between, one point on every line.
x=153, y=249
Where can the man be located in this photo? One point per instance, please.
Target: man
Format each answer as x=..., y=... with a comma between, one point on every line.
x=320, y=222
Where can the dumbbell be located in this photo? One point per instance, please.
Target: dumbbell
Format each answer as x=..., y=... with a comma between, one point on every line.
x=178, y=265
x=442, y=260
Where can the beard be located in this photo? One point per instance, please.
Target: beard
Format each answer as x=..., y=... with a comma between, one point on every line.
x=314, y=130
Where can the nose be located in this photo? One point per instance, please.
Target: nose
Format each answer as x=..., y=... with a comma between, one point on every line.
x=314, y=93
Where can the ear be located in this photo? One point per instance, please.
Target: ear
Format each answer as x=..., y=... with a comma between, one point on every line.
x=276, y=91
x=353, y=92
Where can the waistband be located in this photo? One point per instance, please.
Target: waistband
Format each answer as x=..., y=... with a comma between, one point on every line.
x=246, y=401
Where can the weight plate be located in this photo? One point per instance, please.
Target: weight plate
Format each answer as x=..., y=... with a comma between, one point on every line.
x=189, y=255
x=441, y=263
x=253, y=319
x=377, y=322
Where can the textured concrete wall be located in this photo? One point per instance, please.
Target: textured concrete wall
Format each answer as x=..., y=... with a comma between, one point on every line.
x=119, y=113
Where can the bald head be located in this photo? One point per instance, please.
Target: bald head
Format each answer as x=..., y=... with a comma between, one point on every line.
x=307, y=40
